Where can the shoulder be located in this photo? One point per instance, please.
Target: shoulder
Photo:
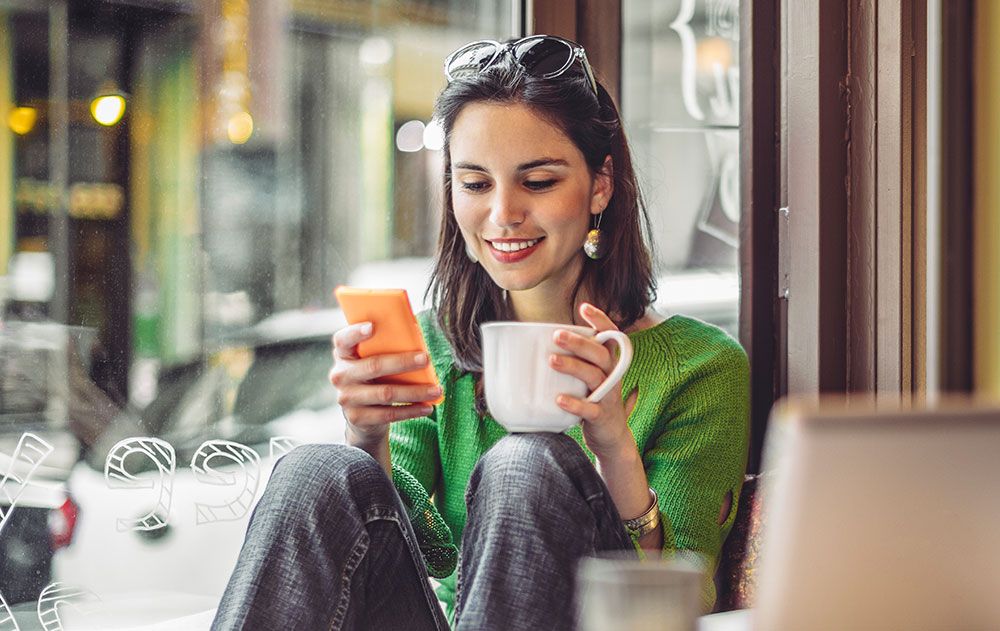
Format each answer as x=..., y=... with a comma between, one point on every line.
x=694, y=332
x=696, y=347
x=706, y=376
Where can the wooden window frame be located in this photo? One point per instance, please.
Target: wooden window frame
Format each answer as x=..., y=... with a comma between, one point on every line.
x=762, y=305
x=956, y=260
x=855, y=193
x=594, y=24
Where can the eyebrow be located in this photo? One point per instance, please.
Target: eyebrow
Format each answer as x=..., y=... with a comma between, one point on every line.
x=527, y=166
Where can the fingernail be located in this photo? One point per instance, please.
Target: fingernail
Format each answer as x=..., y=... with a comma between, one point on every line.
x=434, y=391
x=554, y=359
x=366, y=328
x=420, y=359
x=561, y=401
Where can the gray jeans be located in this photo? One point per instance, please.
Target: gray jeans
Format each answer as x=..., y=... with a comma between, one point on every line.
x=329, y=545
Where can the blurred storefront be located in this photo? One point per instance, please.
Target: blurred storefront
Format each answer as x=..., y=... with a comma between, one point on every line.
x=245, y=164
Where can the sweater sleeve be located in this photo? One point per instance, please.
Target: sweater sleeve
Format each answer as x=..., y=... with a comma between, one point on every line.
x=698, y=461
x=416, y=470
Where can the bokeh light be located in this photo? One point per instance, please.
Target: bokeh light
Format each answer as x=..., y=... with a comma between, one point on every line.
x=434, y=136
x=240, y=128
x=410, y=136
x=21, y=120
x=375, y=52
x=108, y=109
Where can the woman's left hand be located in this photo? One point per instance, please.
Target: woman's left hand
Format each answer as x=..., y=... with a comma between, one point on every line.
x=605, y=427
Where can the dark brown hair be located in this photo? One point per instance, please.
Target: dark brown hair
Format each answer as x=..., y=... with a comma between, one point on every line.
x=620, y=283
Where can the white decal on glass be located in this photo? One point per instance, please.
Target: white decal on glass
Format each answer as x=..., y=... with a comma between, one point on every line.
x=727, y=89
x=55, y=595
x=117, y=477
x=7, y=621
x=29, y=453
x=720, y=213
x=729, y=187
x=723, y=19
x=721, y=32
x=281, y=445
x=689, y=92
x=230, y=453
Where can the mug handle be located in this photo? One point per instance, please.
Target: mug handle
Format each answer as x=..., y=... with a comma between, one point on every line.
x=624, y=360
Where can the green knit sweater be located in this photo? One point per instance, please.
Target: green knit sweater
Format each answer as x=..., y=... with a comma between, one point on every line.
x=690, y=422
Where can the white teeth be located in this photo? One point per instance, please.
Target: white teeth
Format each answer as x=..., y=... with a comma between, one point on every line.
x=514, y=246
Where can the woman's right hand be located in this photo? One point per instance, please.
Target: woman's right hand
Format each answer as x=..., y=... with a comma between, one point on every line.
x=370, y=407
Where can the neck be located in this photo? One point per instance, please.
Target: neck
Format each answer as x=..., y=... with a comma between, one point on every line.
x=541, y=304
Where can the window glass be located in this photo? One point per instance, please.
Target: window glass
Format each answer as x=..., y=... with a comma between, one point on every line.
x=182, y=185
x=680, y=102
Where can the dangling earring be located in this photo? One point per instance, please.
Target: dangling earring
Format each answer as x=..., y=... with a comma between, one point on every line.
x=592, y=246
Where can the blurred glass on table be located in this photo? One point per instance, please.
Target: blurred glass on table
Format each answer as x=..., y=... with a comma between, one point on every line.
x=621, y=593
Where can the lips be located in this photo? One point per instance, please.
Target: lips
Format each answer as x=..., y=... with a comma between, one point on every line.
x=513, y=250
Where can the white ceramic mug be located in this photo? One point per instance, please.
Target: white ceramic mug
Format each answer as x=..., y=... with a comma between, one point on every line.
x=521, y=386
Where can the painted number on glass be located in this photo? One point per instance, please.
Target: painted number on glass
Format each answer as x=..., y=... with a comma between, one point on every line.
x=118, y=477
x=226, y=452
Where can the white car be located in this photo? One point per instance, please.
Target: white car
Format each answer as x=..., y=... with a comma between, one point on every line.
x=164, y=499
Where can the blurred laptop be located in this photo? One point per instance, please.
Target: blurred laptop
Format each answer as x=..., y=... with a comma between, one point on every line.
x=882, y=519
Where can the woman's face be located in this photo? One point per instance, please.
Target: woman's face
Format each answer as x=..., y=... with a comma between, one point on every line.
x=523, y=196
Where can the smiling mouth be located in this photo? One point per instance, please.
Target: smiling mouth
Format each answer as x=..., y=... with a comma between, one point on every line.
x=514, y=246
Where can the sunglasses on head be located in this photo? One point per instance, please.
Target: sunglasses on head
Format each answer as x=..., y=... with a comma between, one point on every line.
x=542, y=56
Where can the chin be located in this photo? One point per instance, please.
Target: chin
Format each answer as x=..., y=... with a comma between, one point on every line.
x=511, y=282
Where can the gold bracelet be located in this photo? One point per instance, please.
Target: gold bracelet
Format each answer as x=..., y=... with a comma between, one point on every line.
x=645, y=523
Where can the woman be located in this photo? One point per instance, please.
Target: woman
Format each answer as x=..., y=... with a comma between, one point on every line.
x=346, y=536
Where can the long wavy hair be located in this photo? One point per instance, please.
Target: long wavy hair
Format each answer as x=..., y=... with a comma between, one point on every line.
x=620, y=283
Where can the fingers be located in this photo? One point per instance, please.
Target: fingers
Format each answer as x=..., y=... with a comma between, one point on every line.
x=346, y=340
x=579, y=407
x=370, y=406
x=585, y=348
x=390, y=364
x=368, y=417
x=582, y=370
x=346, y=372
x=596, y=318
x=385, y=394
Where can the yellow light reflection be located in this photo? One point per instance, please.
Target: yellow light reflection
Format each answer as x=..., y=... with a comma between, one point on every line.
x=240, y=128
x=21, y=120
x=712, y=52
x=108, y=110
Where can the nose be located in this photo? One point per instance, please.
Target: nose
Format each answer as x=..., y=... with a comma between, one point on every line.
x=506, y=207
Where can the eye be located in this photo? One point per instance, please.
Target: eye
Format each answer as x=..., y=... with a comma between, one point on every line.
x=475, y=187
x=539, y=185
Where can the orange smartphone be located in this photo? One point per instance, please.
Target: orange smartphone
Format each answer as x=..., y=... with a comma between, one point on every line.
x=395, y=330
